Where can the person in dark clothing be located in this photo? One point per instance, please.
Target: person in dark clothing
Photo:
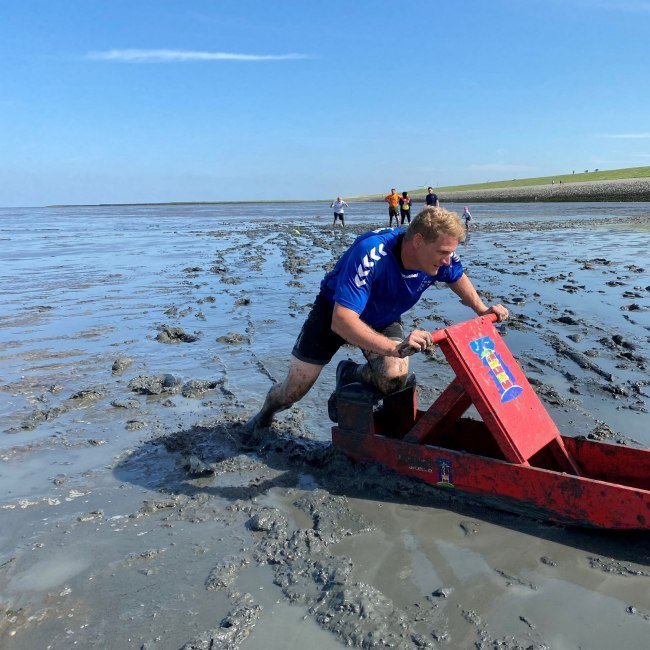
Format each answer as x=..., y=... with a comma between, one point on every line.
x=431, y=198
x=405, y=208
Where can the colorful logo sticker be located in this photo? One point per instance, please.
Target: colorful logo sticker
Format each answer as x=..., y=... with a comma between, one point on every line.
x=444, y=472
x=501, y=375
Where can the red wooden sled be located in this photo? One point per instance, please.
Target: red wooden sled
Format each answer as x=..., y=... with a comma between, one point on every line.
x=516, y=457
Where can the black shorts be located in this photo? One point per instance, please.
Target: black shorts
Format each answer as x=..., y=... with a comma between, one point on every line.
x=339, y=215
x=392, y=212
x=317, y=343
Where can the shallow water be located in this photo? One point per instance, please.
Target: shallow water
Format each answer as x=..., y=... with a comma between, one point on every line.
x=84, y=286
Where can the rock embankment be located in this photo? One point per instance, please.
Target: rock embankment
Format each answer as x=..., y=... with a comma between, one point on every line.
x=633, y=189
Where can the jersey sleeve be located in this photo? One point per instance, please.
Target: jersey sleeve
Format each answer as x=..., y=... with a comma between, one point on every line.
x=356, y=277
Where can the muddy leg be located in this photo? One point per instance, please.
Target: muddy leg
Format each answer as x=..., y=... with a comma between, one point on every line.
x=386, y=374
x=300, y=378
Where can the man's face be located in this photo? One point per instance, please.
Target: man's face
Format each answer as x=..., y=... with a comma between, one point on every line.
x=432, y=255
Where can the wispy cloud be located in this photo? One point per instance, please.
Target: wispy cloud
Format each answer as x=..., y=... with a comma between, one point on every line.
x=627, y=6
x=634, y=6
x=626, y=136
x=183, y=56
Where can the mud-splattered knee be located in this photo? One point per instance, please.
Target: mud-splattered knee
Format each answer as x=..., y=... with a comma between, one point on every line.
x=386, y=384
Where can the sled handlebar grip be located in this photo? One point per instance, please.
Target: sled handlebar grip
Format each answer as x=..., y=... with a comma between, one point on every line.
x=440, y=335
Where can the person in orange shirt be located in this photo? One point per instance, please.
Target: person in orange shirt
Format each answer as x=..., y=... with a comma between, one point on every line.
x=393, y=211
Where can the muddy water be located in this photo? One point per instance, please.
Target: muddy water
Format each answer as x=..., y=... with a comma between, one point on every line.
x=135, y=341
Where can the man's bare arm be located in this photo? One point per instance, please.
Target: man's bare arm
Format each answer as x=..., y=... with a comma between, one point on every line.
x=347, y=324
x=465, y=290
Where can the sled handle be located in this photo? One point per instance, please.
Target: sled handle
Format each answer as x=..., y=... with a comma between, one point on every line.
x=441, y=335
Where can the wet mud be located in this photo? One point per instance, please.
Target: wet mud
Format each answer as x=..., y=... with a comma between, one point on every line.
x=137, y=513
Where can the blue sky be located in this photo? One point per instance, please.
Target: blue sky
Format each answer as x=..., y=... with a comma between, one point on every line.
x=189, y=100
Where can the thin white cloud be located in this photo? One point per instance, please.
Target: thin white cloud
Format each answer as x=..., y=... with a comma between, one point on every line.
x=183, y=56
x=627, y=6
x=626, y=136
x=638, y=6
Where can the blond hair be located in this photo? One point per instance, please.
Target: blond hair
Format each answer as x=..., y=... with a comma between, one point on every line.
x=434, y=221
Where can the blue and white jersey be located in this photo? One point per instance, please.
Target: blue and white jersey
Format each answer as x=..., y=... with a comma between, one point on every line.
x=370, y=280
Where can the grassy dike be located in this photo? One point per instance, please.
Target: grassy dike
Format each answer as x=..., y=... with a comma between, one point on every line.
x=630, y=184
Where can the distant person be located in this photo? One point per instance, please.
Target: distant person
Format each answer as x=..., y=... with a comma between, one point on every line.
x=339, y=213
x=405, y=207
x=431, y=198
x=467, y=216
x=393, y=205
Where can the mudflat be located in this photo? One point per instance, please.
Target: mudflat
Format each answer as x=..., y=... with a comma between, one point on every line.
x=136, y=513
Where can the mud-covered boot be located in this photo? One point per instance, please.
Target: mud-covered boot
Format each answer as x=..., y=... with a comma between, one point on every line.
x=345, y=372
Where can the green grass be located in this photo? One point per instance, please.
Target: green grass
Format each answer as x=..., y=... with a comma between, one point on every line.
x=582, y=177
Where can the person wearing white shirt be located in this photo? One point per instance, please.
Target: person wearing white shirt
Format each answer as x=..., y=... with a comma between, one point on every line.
x=339, y=213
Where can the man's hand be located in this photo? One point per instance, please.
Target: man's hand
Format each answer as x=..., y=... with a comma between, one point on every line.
x=500, y=312
x=416, y=341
